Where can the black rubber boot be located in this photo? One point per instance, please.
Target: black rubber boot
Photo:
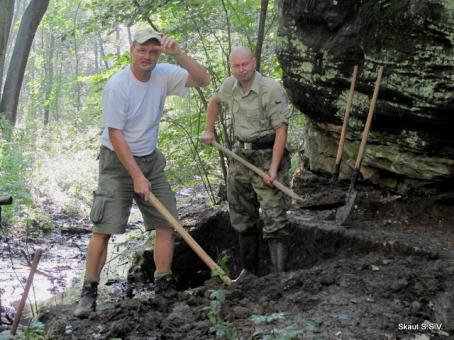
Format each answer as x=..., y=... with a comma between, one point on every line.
x=249, y=250
x=87, y=302
x=278, y=253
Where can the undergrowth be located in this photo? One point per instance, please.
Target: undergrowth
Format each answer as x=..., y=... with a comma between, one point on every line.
x=39, y=165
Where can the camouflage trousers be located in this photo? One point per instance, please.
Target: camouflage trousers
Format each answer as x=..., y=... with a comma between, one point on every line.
x=246, y=194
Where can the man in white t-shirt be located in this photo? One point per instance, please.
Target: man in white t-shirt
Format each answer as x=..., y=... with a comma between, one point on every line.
x=130, y=166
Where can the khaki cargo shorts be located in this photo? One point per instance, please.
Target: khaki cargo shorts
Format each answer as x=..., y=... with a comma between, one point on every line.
x=113, y=198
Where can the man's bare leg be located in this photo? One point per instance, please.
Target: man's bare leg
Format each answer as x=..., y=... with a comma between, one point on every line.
x=163, y=250
x=96, y=256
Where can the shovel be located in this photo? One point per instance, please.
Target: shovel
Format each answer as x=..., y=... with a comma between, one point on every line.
x=188, y=238
x=334, y=198
x=343, y=213
x=348, y=110
x=258, y=171
x=302, y=204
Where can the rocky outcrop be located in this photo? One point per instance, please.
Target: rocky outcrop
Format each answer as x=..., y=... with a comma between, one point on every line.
x=411, y=144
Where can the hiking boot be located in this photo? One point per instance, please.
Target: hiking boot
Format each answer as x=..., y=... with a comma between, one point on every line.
x=87, y=302
x=164, y=284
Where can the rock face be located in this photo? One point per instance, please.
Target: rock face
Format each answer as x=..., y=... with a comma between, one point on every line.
x=411, y=143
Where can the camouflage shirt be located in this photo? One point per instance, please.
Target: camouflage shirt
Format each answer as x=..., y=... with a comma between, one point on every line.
x=257, y=113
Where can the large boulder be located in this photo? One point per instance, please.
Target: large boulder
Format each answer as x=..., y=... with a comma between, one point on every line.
x=411, y=144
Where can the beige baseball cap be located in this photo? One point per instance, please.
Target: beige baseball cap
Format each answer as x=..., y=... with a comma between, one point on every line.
x=145, y=34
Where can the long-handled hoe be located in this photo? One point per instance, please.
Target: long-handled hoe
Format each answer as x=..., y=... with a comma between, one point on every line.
x=188, y=238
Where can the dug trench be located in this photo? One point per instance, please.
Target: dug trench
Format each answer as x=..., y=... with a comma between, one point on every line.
x=389, y=274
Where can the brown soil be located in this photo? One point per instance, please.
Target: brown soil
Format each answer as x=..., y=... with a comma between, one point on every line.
x=387, y=274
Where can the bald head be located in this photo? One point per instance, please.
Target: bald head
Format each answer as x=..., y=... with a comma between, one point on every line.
x=241, y=50
x=242, y=64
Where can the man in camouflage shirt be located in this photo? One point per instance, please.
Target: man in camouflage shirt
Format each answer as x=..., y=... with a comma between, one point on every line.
x=259, y=108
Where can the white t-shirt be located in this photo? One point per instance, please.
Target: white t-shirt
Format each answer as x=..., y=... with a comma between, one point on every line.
x=136, y=107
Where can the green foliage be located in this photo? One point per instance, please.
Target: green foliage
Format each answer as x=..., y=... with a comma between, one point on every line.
x=223, y=261
x=223, y=329
x=179, y=131
x=14, y=164
x=118, y=63
x=262, y=319
x=57, y=163
x=295, y=139
x=218, y=295
x=188, y=161
x=91, y=113
x=108, y=14
x=286, y=333
x=35, y=331
x=66, y=171
x=59, y=159
x=32, y=220
x=223, y=270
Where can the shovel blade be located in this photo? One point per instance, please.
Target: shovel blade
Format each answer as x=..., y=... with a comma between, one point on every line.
x=343, y=213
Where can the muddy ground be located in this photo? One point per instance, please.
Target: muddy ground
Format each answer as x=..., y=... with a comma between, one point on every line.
x=387, y=274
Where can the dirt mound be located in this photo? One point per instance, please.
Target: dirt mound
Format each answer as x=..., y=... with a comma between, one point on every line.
x=389, y=274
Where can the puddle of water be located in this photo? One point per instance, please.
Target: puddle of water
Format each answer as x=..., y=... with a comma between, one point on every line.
x=62, y=265
x=58, y=267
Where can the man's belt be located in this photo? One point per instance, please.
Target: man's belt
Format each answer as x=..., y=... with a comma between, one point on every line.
x=255, y=146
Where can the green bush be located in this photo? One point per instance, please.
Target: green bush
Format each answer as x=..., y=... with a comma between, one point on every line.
x=14, y=166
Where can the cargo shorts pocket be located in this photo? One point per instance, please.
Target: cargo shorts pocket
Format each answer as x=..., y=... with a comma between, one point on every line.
x=99, y=204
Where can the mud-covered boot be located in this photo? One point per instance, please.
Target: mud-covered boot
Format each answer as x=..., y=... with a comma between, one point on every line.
x=164, y=284
x=87, y=302
x=278, y=253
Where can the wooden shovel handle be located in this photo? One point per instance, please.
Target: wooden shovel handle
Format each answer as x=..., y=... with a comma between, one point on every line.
x=348, y=110
x=28, y=284
x=188, y=238
x=362, y=147
x=258, y=171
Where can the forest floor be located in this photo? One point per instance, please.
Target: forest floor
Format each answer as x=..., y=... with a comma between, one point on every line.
x=388, y=273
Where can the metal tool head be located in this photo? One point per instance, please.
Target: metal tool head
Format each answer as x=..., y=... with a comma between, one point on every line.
x=343, y=212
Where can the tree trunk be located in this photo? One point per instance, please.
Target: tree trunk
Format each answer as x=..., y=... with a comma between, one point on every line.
x=261, y=33
x=117, y=41
x=129, y=35
x=28, y=93
x=96, y=53
x=76, y=57
x=101, y=50
x=27, y=29
x=49, y=78
x=19, y=9
x=6, y=17
x=58, y=90
x=229, y=36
